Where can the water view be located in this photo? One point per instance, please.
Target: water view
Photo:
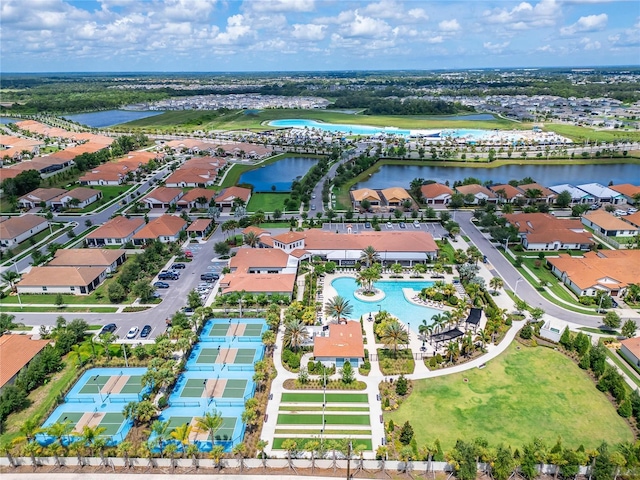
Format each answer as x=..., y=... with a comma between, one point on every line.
x=349, y=129
x=402, y=175
x=7, y=120
x=279, y=174
x=109, y=118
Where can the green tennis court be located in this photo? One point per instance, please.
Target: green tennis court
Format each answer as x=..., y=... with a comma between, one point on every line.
x=226, y=430
x=133, y=385
x=330, y=397
x=94, y=384
x=245, y=355
x=208, y=355
x=252, y=330
x=179, y=421
x=315, y=419
x=193, y=388
x=235, y=388
x=219, y=330
x=71, y=417
x=111, y=422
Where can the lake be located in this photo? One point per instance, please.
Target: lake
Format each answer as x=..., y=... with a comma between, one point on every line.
x=279, y=174
x=401, y=175
x=6, y=120
x=108, y=118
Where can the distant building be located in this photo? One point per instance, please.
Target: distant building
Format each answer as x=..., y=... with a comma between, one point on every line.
x=395, y=196
x=603, y=194
x=577, y=195
x=541, y=231
x=479, y=192
x=608, y=225
x=507, y=193
x=162, y=197
x=629, y=191
x=630, y=349
x=15, y=230
x=83, y=196
x=200, y=227
x=364, y=194
x=40, y=196
x=227, y=197
x=88, y=257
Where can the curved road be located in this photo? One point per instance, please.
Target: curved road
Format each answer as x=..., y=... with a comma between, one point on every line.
x=510, y=275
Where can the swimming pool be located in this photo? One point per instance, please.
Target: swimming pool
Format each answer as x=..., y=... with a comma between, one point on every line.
x=394, y=301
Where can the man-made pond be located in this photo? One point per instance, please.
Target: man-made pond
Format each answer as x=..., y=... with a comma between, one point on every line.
x=108, y=118
x=469, y=134
x=7, y=120
x=279, y=174
x=401, y=175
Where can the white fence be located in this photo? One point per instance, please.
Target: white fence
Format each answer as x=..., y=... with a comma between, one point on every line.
x=253, y=463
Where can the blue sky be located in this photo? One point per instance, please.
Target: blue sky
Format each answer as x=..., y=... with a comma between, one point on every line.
x=292, y=35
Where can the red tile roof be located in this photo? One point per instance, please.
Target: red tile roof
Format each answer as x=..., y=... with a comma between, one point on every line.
x=344, y=341
x=16, y=351
x=433, y=190
x=164, y=226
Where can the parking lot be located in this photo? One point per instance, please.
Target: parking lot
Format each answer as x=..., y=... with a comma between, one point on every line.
x=434, y=228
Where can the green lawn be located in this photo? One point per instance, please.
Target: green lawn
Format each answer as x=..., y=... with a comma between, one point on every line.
x=16, y=308
x=267, y=202
x=301, y=442
x=21, y=247
x=581, y=134
x=330, y=397
x=316, y=419
x=623, y=365
x=315, y=431
x=446, y=252
x=318, y=408
x=522, y=394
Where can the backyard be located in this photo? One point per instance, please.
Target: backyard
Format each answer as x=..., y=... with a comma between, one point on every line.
x=522, y=394
x=267, y=202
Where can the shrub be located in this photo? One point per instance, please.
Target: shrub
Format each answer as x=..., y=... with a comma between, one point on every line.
x=453, y=301
x=162, y=402
x=406, y=433
x=585, y=300
x=402, y=386
x=624, y=410
x=432, y=362
x=526, y=332
x=391, y=426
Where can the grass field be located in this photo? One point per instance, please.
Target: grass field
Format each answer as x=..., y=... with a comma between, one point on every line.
x=301, y=442
x=316, y=419
x=581, y=134
x=267, y=202
x=319, y=398
x=522, y=394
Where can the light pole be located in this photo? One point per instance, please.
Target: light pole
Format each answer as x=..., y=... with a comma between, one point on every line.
x=515, y=289
x=15, y=264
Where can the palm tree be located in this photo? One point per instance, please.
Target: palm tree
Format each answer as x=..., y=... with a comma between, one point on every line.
x=90, y=435
x=312, y=446
x=337, y=307
x=496, y=283
x=419, y=269
x=59, y=430
x=438, y=321
x=124, y=450
x=11, y=277
x=33, y=449
x=483, y=337
x=217, y=452
x=369, y=255
x=160, y=428
x=467, y=344
x=251, y=239
x=106, y=339
x=394, y=335
x=30, y=427
x=181, y=434
x=193, y=451
x=261, y=445
x=210, y=422
x=240, y=451
x=453, y=349
x=295, y=334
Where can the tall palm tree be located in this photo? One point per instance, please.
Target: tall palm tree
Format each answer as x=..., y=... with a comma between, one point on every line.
x=295, y=334
x=90, y=435
x=11, y=277
x=30, y=427
x=394, y=335
x=453, y=349
x=369, y=255
x=124, y=450
x=160, y=428
x=181, y=434
x=217, y=452
x=210, y=422
x=338, y=307
x=59, y=430
x=483, y=337
x=496, y=283
x=251, y=239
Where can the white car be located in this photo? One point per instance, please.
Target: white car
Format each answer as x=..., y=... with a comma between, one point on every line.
x=632, y=210
x=389, y=225
x=620, y=213
x=133, y=331
x=416, y=224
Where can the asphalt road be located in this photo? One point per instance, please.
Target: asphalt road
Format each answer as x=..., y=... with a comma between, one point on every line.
x=510, y=275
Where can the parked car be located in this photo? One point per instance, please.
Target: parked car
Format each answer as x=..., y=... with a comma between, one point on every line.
x=133, y=331
x=632, y=210
x=367, y=225
x=209, y=277
x=168, y=276
x=313, y=207
x=595, y=206
x=620, y=213
x=188, y=253
x=402, y=225
x=188, y=311
x=146, y=330
x=161, y=285
x=389, y=225
x=178, y=266
x=416, y=224
x=108, y=328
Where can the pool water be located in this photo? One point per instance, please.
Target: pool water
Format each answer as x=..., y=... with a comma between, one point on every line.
x=394, y=301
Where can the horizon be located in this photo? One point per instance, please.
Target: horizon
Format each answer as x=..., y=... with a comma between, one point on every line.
x=162, y=36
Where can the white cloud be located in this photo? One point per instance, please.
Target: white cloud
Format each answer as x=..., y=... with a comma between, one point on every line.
x=449, y=25
x=495, y=47
x=545, y=48
x=384, y=9
x=362, y=26
x=281, y=5
x=588, y=44
x=524, y=15
x=590, y=23
x=308, y=32
x=438, y=39
x=236, y=30
x=417, y=14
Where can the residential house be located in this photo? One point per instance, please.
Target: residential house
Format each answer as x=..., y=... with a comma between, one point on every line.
x=77, y=198
x=89, y=257
x=633, y=219
x=541, y=231
x=507, y=193
x=165, y=229
x=436, y=194
x=343, y=343
x=111, y=173
x=631, y=192
x=395, y=196
x=227, y=197
x=630, y=349
x=162, y=197
x=577, y=195
x=191, y=177
x=479, y=192
x=40, y=197
x=364, y=194
x=16, y=351
x=603, y=194
x=200, y=227
x=15, y=230
x=117, y=231
x=546, y=195
x=66, y=280
x=609, y=271
x=197, y=198
x=608, y=225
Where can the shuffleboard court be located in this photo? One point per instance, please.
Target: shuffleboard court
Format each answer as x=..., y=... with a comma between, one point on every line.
x=315, y=419
x=301, y=442
x=330, y=398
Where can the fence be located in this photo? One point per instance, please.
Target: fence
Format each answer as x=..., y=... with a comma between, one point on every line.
x=259, y=465
x=79, y=400
x=240, y=368
x=184, y=404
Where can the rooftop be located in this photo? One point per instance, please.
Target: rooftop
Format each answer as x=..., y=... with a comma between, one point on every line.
x=60, y=276
x=607, y=221
x=364, y=194
x=85, y=257
x=163, y=226
x=117, y=227
x=432, y=190
x=15, y=226
x=15, y=352
x=163, y=194
x=344, y=341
